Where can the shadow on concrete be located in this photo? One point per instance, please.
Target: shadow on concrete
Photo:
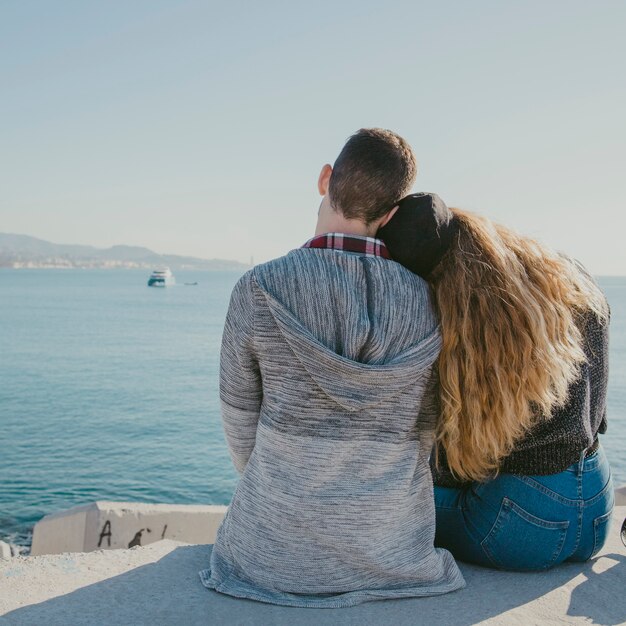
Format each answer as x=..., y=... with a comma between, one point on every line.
x=169, y=591
x=606, y=589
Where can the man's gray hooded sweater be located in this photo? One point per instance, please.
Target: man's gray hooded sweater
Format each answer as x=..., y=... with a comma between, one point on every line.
x=327, y=393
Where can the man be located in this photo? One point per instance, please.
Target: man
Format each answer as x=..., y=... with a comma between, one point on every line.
x=328, y=407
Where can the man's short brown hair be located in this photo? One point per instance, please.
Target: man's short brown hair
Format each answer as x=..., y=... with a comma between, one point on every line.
x=375, y=169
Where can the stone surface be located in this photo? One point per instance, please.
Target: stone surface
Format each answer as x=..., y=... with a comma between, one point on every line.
x=620, y=496
x=105, y=525
x=159, y=584
x=5, y=550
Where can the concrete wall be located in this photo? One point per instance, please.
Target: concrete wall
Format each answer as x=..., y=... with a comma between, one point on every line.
x=5, y=550
x=110, y=525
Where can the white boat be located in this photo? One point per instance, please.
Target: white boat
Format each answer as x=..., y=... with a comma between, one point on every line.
x=161, y=277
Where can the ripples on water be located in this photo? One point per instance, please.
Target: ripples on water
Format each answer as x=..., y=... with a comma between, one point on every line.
x=108, y=391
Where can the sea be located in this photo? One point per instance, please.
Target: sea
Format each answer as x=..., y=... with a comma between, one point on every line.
x=109, y=391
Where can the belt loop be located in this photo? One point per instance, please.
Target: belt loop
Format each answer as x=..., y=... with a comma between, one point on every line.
x=581, y=462
x=579, y=476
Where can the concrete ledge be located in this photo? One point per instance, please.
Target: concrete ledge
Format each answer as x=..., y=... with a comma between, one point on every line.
x=159, y=584
x=111, y=525
x=5, y=550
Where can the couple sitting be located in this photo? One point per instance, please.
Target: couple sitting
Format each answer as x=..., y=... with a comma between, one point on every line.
x=408, y=344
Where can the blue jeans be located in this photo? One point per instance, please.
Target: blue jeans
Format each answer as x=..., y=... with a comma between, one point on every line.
x=529, y=522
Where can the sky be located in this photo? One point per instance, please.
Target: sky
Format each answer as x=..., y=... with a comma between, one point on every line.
x=199, y=128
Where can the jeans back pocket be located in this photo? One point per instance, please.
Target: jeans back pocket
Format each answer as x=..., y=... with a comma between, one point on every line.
x=601, y=528
x=521, y=541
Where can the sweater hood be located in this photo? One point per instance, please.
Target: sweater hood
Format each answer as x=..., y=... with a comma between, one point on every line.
x=352, y=384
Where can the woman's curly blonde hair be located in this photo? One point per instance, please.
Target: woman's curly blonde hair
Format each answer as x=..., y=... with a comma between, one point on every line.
x=510, y=315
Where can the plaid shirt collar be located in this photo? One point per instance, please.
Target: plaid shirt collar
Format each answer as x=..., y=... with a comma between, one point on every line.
x=369, y=246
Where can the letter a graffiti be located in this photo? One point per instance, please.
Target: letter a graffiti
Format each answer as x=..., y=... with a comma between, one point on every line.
x=106, y=532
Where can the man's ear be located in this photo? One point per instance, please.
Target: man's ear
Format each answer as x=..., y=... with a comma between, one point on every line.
x=388, y=216
x=324, y=179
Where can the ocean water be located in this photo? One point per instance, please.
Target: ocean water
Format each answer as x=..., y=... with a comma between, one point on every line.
x=109, y=390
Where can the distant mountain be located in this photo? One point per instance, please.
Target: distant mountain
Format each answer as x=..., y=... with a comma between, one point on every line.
x=20, y=251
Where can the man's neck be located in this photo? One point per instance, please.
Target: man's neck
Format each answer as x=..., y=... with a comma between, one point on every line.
x=331, y=221
x=349, y=229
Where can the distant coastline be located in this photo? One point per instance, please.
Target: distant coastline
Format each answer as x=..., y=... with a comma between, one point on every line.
x=26, y=252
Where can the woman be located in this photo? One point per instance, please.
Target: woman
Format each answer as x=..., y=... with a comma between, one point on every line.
x=521, y=481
